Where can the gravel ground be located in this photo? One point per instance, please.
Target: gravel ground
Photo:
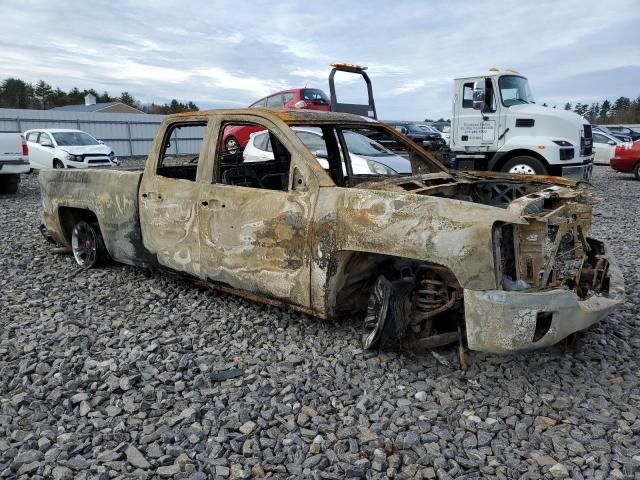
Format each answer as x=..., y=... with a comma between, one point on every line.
x=125, y=373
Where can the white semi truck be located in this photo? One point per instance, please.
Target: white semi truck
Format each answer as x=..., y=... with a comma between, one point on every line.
x=497, y=126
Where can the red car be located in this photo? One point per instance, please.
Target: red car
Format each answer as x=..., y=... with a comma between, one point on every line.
x=627, y=159
x=236, y=137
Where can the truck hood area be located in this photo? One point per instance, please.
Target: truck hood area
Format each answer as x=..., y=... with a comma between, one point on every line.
x=86, y=149
x=540, y=227
x=548, y=121
x=500, y=190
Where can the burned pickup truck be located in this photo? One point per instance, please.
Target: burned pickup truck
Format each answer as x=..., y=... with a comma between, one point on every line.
x=319, y=214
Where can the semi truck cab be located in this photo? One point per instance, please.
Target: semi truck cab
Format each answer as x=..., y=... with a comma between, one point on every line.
x=496, y=125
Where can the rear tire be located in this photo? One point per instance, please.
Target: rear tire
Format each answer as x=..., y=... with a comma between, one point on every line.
x=87, y=245
x=636, y=171
x=57, y=163
x=524, y=165
x=9, y=183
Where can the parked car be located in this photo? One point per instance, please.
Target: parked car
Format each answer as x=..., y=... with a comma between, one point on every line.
x=604, y=146
x=235, y=139
x=367, y=156
x=630, y=132
x=425, y=258
x=426, y=138
x=65, y=148
x=14, y=160
x=619, y=136
x=627, y=159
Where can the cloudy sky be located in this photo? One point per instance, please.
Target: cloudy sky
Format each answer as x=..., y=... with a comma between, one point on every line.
x=230, y=53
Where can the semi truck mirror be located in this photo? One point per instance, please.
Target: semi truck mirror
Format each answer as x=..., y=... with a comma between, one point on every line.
x=478, y=95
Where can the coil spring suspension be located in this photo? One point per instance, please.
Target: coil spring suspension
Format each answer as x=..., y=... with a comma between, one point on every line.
x=430, y=298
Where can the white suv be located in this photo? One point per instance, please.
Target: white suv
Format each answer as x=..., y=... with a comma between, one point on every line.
x=64, y=148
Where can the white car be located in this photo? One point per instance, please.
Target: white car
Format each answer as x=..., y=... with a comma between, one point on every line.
x=64, y=148
x=368, y=157
x=604, y=146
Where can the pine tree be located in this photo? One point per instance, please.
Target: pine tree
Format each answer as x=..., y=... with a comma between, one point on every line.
x=604, y=111
x=43, y=93
x=567, y=106
x=126, y=98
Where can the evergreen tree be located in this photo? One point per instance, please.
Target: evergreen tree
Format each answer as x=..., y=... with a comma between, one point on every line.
x=604, y=111
x=127, y=99
x=16, y=93
x=43, y=93
x=567, y=106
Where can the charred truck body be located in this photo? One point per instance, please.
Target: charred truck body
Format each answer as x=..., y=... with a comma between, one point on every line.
x=506, y=258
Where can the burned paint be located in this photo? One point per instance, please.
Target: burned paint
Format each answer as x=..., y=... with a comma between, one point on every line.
x=506, y=252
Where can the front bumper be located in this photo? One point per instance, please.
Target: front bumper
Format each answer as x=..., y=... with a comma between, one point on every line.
x=92, y=162
x=579, y=172
x=500, y=321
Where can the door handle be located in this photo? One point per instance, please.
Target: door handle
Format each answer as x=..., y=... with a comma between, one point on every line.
x=151, y=194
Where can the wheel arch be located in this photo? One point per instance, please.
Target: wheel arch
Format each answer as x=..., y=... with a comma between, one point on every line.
x=69, y=216
x=500, y=158
x=352, y=273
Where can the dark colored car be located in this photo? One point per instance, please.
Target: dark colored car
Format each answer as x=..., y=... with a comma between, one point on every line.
x=421, y=136
x=627, y=159
x=235, y=138
x=626, y=131
x=620, y=136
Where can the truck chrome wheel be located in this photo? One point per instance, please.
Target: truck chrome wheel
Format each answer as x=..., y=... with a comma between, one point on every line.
x=522, y=169
x=86, y=243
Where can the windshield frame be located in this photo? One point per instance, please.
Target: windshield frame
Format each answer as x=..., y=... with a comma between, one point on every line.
x=430, y=162
x=500, y=90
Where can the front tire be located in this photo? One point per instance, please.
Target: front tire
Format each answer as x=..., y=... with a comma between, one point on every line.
x=87, y=245
x=524, y=165
x=57, y=163
x=636, y=171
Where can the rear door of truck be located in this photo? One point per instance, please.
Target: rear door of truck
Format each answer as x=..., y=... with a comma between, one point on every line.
x=169, y=193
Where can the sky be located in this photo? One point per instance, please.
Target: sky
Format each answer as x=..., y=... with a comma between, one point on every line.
x=221, y=53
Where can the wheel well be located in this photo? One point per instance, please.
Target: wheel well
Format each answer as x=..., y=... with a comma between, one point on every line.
x=70, y=216
x=499, y=163
x=356, y=272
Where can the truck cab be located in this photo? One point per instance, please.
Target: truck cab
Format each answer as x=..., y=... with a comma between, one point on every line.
x=496, y=125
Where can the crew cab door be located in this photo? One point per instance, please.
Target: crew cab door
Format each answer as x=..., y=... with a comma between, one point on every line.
x=169, y=194
x=254, y=216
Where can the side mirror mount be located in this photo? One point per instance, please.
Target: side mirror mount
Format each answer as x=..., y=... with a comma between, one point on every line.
x=299, y=182
x=100, y=142
x=479, y=92
x=321, y=154
x=403, y=130
x=48, y=144
x=611, y=142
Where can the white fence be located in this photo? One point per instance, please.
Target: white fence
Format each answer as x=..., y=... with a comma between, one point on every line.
x=128, y=134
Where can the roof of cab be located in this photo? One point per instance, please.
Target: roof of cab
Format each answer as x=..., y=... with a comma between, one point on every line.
x=491, y=72
x=287, y=116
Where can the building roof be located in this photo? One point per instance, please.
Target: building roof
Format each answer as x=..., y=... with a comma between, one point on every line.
x=96, y=107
